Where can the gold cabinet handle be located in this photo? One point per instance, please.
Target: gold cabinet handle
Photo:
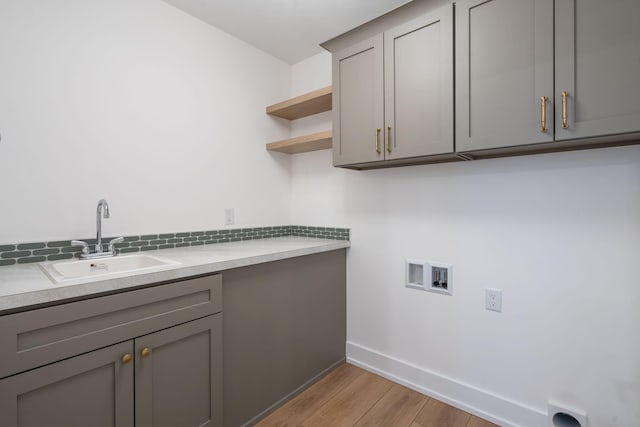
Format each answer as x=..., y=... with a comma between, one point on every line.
x=543, y=114
x=565, y=120
x=145, y=352
x=386, y=139
x=126, y=359
x=378, y=140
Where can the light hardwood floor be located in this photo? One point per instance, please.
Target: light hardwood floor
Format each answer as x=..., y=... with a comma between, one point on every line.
x=350, y=396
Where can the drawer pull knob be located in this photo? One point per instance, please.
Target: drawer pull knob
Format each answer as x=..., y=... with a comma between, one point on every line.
x=126, y=359
x=145, y=352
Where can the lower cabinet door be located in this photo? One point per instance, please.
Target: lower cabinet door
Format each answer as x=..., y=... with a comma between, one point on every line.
x=94, y=389
x=179, y=375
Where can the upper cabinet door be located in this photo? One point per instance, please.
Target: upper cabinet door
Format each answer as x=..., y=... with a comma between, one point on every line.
x=504, y=66
x=419, y=86
x=598, y=67
x=358, y=103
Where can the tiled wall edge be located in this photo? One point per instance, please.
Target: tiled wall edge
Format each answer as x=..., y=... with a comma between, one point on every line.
x=23, y=253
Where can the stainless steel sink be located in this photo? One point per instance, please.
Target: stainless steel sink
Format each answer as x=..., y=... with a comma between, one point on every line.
x=60, y=272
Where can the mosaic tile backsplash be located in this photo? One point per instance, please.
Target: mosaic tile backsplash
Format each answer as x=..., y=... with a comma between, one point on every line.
x=22, y=253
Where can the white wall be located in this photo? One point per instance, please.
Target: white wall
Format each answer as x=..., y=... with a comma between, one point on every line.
x=307, y=76
x=141, y=104
x=558, y=233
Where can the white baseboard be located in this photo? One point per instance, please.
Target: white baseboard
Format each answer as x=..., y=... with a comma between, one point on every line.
x=487, y=405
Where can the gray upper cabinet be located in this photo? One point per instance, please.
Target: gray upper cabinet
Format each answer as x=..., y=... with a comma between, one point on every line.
x=598, y=67
x=393, y=92
x=530, y=76
x=504, y=68
x=358, y=96
x=419, y=86
x=514, y=90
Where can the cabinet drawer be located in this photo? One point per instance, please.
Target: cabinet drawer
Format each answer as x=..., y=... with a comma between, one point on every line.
x=35, y=338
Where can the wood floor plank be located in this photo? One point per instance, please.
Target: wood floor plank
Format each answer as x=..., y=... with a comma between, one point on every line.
x=350, y=404
x=438, y=414
x=479, y=422
x=397, y=408
x=350, y=396
x=301, y=407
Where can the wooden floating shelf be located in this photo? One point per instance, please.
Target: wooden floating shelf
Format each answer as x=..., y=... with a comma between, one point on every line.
x=305, y=105
x=302, y=144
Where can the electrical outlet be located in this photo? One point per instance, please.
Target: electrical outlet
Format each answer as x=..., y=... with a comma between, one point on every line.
x=493, y=299
x=229, y=216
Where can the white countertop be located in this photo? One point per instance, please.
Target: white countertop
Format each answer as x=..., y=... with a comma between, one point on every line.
x=22, y=286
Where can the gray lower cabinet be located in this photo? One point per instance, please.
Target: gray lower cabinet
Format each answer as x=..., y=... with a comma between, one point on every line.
x=178, y=374
x=148, y=357
x=393, y=93
x=94, y=389
x=152, y=357
x=284, y=326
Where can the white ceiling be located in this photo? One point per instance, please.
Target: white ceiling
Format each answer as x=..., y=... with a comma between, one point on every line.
x=288, y=29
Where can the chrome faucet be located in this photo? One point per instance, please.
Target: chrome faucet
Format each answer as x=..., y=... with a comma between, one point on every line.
x=102, y=211
x=102, y=203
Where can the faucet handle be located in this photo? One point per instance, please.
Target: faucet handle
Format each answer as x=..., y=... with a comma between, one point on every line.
x=85, y=246
x=112, y=244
